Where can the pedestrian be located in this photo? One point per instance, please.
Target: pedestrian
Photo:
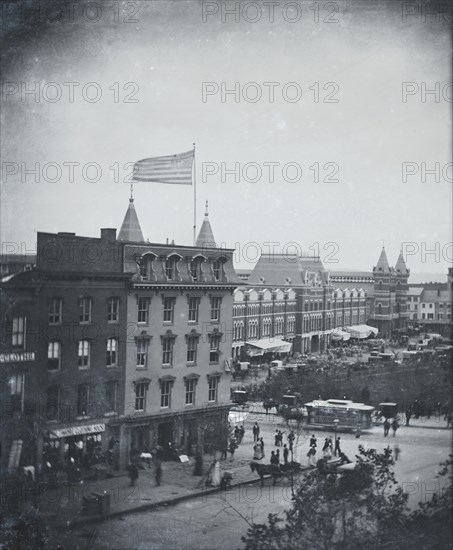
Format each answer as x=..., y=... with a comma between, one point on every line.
x=241, y=433
x=262, y=447
x=386, y=427
x=277, y=454
x=408, y=416
x=325, y=449
x=311, y=456
x=276, y=438
x=273, y=459
x=198, y=470
x=313, y=441
x=236, y=432
x=158, y=473
x=133, y=473
x=448, y=420
x=397, y=452
x=224, y=454
x=285, y=454
x=256, y=431
x=330, y=446
x=337, y=447
x=280, y=438
x=395, y=426
x=233, y=446
x=257, y=452
x=358, y=430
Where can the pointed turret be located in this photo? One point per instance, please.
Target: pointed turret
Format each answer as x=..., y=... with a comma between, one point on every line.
x=401, y=265
x=131, y=230
x=205, y=238
x=383, y=264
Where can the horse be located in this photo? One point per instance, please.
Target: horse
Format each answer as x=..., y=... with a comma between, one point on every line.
x=266, y=469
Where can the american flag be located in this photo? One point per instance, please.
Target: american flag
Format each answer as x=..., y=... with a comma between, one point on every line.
x=175, y=169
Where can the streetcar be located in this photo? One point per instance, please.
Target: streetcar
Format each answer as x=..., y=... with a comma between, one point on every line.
x=341, y=413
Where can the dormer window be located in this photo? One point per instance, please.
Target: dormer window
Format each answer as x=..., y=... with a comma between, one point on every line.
x=195, y=270
x=145, y=266
x=216, y=269
x=170, y=268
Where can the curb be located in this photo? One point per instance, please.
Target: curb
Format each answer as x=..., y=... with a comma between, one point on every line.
x=167, y=502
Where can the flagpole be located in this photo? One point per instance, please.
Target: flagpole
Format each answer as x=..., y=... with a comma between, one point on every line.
x=194, y=198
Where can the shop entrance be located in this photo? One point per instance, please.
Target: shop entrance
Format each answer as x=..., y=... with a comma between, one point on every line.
x=140, y=438
x=165, y=434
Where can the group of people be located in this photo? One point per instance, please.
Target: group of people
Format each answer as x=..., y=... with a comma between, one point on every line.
x=328, y=449
x=135, y=464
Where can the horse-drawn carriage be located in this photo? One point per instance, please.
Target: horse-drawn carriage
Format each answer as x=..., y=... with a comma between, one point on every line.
x=275, y=471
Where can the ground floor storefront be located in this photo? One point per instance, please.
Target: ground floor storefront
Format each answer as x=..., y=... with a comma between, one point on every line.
x=186, y=432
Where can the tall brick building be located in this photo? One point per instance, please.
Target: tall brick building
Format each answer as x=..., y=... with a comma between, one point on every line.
x=114, y=343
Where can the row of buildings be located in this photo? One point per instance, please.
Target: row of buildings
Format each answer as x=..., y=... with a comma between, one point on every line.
x=115, y=343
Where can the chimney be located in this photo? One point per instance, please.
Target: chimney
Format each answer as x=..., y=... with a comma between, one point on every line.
x=108, y=234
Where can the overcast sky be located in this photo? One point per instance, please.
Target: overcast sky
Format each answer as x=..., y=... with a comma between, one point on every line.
x=167, y=55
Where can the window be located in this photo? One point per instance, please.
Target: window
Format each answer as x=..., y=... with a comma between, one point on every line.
x=214, y=351
x=145, y=266
x=190, y=391
x=112, y=347
x=16, y=384
x=215, y=308
x=140, y=396
x=423, y=306
x=430, y=315
x=113, y=310
x=192, y=344
x=193, y=309
x=18, y=336
x=169, y=310
x=142, y=354
x=216, y=269
x=53, y=356
x=111, y=395
x=53, y=403
x=84, y=310
x=55, y=311
x=170, y=268
x=83, y=399
x=195, y=269
x=423, y=315
x=165, y=394
x=167, y=351
x=379, y=308
x=430, y=306
x=84, y=354
x=143, y=311
x=212, y=389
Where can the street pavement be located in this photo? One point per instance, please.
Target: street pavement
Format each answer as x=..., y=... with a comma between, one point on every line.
x=184, y=515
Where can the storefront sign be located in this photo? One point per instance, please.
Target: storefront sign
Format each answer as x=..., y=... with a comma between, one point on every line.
x=77, y=430
x=17, y=357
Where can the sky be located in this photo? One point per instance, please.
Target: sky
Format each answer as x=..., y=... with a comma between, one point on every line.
x=138, y=71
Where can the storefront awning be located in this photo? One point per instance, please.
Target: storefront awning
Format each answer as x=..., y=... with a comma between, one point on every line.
x=268, y=345
x=361, y=331
x=340, y=335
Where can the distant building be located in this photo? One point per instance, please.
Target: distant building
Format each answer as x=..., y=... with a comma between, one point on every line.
x=15, y=263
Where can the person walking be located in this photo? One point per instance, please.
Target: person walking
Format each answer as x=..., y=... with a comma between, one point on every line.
x=276, y=439
x=241, y=433
x=280, y=438
x=395, y=426
x=408, y=416
x=133, y=473
x=291, y=438
x=311, y=456
x=257, y=452
x=313, y=441
x=285, y=454
x=277, y=454
x=158, y=473
x=274, y=459
x=397, y=452
x=337, y=447
x=256, y=432
x=325, y=448
x=386, y=427
x=262, y=447
x=448, y=420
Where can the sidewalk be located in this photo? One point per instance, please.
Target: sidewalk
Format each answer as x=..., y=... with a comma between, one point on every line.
x=62, y=504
